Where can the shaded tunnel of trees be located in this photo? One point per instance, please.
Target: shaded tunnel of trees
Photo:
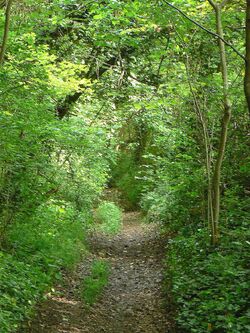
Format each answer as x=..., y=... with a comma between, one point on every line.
x=150, y=98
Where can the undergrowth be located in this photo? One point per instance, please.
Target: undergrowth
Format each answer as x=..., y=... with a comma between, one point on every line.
x=109, y=218
x=93, y=285
x=22, y=284
x=35, y=259
x=210, y=288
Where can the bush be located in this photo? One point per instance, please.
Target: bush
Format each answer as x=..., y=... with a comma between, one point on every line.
x=210, y=287
x=109, y=217
x=93, y=285
x=21, y=285
x=53, y=239
x=41, y=246
x=175, y=194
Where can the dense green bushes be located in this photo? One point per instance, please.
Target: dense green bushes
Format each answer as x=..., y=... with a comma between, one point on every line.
x=53, y=238
x=22, y=284
x=210, y=288
x=39, y=248
x=46, y=235
x=52, y=170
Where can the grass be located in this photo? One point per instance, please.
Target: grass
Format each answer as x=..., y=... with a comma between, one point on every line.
x=92, y=286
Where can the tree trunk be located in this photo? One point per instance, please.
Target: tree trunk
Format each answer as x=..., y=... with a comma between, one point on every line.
x=224, y=124
x=207, y=146
x=6, y=31
x=247, y=72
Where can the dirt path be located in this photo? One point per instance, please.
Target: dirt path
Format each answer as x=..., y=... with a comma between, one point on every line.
x=132, y=302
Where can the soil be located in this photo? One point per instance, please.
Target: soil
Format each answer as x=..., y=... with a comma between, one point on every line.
x=132, y=301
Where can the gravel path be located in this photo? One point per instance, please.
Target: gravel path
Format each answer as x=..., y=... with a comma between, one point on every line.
x=132, y=302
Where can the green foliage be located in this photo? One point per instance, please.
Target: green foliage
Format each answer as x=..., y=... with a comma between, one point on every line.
x=109, y=218
x=176, y=199
x=21, y=285
x=124, y=178
x=210, y=288
x=55, y=239
x=237, y=203
x=142, y=92
x=48, y=185
x=176, y=183
x=92, y=286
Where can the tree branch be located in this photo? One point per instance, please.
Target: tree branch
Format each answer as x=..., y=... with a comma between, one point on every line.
x=212, y=3
x=6, y=31
x=205, y=29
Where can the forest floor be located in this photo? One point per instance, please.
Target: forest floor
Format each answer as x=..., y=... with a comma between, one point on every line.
x=133, y=299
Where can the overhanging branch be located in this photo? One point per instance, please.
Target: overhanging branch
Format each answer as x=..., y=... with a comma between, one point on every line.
x=214, y=34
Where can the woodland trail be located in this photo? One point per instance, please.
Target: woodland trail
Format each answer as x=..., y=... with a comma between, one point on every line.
x=133, y=300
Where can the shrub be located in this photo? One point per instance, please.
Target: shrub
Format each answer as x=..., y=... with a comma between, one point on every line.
x=175, y=195
x=210, y=287
x=40, y=247
x=21, y=285
x=109, y=217
x=54, y=238
x=93, y=285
